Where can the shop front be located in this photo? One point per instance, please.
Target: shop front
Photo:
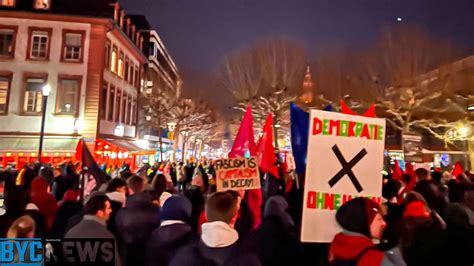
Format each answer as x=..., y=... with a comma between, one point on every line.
x=114, y=153
x=21, y=150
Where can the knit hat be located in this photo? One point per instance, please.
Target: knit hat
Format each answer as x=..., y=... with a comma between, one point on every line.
x=416, y=209
x=357, y=214
x=176, y=208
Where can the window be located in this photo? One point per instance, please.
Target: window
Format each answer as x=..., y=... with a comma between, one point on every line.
x=7, y=3
x=107, y=55
x=129, y=111
x=137, y=78
x=41, y=4
x=110, y=111
x=103, y=101
x=67, y=98
x=73, y=46
x=120, y=65
x=7, y=41
x=134, y=112
x=4, y=93
x=131, y=73
x=39, y=44
x=126, y=69
x=152, y=49
x=123, y=108
x=113, y=60
x=117, y=106
x=33, y=98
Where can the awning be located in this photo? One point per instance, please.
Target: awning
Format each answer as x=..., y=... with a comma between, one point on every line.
x=31, y=144
x=128, y=146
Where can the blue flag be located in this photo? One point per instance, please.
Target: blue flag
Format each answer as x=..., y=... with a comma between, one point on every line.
x=299, y=136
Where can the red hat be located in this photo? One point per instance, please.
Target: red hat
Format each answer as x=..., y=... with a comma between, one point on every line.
x=416, y=209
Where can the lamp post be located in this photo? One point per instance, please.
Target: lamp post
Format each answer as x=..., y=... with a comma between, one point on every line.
x=45, y=92
x=185, y=138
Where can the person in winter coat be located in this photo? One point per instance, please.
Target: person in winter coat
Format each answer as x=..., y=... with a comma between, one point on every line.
x=361, y=220
x=45, y=201
x=219, y=242
x=173, y=233
x=277, y=238
x=69, y=207
x=116, y=192
x=93, y=225
x=135, y=222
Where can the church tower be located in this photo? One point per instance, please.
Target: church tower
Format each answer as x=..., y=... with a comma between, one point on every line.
x=306, y=95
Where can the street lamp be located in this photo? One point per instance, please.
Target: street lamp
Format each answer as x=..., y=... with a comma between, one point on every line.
x=45, y=92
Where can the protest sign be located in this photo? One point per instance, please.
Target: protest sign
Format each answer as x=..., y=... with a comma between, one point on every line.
x=237, y=174
x=412, y=149
x=344, y=161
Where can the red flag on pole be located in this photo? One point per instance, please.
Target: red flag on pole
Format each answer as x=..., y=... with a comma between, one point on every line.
x=244, y=139
x=348, y=111
x=265, y=150
x=458, y=170
x=396, y=171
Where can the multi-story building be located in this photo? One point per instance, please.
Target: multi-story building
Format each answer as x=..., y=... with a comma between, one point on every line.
x=90, y=54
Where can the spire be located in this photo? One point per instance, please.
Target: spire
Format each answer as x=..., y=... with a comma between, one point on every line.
x=306, y=95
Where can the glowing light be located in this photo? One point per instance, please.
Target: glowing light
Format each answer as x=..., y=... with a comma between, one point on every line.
x=33, y=154
x=106, y=147
x=8, y=154
x=399, y=19
x=20, y=154
x=68, y=154
x=45, y=154
x=56, y=154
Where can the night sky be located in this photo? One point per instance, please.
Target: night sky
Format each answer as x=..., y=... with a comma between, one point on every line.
x=199, y=33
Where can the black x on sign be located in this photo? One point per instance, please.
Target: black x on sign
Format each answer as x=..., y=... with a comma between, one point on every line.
x=347, y=168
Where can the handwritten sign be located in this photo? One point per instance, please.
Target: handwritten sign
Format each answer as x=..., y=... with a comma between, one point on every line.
x=237, y=174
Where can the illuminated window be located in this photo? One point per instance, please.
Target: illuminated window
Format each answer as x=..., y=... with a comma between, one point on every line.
x=120, y=65
x=113, y=60
x=7, y=3
x=33, y=95
x=72, y=46
x=41, y=4
x=4, y=94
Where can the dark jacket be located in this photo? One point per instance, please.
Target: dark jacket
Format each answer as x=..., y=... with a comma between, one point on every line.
x=67, y=210
x=166, y=241
x=277, y=238
x=202, y=255
x=134, y=224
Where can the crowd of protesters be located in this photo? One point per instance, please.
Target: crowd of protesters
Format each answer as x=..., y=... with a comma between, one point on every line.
x=171, y=214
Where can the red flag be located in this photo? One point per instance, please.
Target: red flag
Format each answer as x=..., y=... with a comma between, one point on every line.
x=458, y=170
x=79, y=151
x=348, y=111
x=409, y=170
x=244, y=139
x=396, y=171
x=265, y=150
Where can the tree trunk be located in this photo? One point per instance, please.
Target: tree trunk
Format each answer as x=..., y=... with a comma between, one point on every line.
x=175, y=145
x=183, y=155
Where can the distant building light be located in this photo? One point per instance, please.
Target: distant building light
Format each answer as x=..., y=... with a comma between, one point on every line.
x=470, y=108
x=399, y=19
x=119, y=131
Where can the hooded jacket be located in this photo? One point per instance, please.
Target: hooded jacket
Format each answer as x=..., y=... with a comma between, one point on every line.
x=45, y=201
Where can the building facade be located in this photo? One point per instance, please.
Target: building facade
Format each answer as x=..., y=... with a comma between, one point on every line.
x=92, y=59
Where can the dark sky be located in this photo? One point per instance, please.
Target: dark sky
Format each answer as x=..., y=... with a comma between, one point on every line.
x=199, y=33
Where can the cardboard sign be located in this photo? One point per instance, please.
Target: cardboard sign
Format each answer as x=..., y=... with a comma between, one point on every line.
x=237, y=174
x=344, y=161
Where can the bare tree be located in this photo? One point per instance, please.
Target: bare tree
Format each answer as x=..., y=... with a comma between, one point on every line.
x=268, y=76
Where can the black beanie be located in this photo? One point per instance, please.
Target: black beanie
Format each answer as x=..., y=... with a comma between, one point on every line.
x=176, y=208
x=357, y=214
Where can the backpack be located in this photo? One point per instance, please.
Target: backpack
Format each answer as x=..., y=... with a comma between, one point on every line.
x=354, y=261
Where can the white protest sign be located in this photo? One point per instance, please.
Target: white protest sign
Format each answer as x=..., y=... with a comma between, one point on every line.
x=237, y=174
x=345, y=159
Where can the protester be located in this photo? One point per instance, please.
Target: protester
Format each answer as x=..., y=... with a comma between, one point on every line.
x=69, y=207
x=23, y=227
x=362, y=221
x=277, y=238
x=93, y=225
x=173, y=233
x=135, y=222
x=44, y=200
x=219, y=242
